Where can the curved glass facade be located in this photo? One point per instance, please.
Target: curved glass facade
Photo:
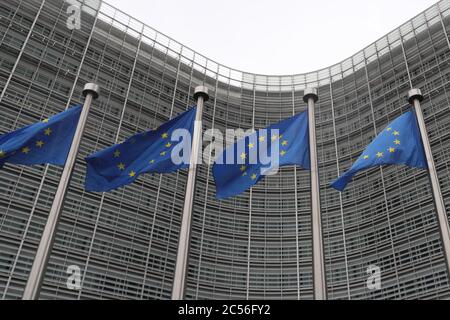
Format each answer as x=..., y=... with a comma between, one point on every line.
x=254, y=246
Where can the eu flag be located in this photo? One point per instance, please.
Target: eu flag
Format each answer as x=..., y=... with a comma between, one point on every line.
x=44, y=142
x=399, y=143
x=145, y=152
x=245, y=163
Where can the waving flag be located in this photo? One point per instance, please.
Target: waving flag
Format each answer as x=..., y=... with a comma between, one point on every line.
x=237, y=169
x=399, y=143
x=44, y=142
x=150, y=151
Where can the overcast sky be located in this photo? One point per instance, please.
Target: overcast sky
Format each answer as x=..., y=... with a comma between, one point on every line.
x=274, y=36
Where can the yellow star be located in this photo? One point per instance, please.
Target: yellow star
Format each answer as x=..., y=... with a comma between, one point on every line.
x=274, y=137
x=121, y=166
x=391, y=150
x=366, y=157
x=244, y=174
x=280, y=137
x=284, y=143
x=243, y=168
x=262, y=139
x=45, y=120
x=2, y=154
x=254, y=176
x=168, y=145
x=282, y=153
x=152, y=161
x=165, y=135
x=40, y=144
x=397, y=142
x=389, y=129
x=396, y=133
x=251, y=145
x=243, y=156
x=380, y=154
x=25, y=150
x=162, y=154
x=117, y=154
x=132, y=174
x=48, y=131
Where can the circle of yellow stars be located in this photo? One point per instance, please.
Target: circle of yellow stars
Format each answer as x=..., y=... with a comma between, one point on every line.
x=397, y=142
x=244, y=156
x=122, y=166
x=38, y=144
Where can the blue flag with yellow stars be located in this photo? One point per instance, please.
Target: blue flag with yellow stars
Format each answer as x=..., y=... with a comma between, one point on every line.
x=249, y=160
x=399, y=143
x=147, y=152
x=48, y=141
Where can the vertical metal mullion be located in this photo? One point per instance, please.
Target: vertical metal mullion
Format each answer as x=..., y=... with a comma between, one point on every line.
x=38, y=193
x=418, y=54
x=25, y=231
x=406, y=63
x=22, y=50
x=33, y=78
x=41, y=260
x=297, y=247
x=77, y=76
x=250, y=203
x=160, y=182
x=207, y=186
x=67, y=105
x=11, y=21
x=340, y=194
x=433, y=47
x=116, y=139
x=447, y=38
x=178, y=172
x=382, y=179
x=159, y=185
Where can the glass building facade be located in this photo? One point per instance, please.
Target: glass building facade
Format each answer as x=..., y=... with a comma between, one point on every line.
x=257, y=245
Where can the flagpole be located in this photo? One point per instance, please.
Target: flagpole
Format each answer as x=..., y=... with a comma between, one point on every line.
x=179, y=281
x=320, y=290
x=33, y=286
x=415, y=97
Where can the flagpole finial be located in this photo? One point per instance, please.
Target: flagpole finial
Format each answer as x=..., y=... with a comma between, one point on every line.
x=415, y=94
x=310, y=93
x=92, y=88
x=201, y=91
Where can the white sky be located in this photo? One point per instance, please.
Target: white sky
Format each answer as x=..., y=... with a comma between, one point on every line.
x=274, y=36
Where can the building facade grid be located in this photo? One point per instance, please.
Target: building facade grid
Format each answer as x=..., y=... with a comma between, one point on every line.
x=257, y=245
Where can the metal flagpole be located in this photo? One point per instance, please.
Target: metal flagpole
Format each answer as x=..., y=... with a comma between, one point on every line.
x=33, y=286
x=179, y=281
x=320, y=291
x=415, y=97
